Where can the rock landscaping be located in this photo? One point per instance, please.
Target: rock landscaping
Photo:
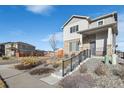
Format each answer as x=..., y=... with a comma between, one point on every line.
x=96, y=74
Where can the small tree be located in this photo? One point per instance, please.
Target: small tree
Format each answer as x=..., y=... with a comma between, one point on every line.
x=53, y=43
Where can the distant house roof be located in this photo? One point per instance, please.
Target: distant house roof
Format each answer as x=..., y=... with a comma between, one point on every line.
x=24, y=43
x=5, y=43
x=15, y=42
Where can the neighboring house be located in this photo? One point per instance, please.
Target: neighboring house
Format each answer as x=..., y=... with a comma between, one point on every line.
x=98, y=35
x=2, y=50
x=17, y=49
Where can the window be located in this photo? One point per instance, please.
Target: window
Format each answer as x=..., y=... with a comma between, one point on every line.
x=77, y=46
x=71, y=30
x=74, y=46
x=74, y=29
x=100, y=22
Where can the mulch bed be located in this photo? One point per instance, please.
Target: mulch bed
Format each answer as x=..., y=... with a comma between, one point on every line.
x=41, y=71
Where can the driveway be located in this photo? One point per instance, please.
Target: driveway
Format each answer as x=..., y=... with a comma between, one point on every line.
x=20, y=79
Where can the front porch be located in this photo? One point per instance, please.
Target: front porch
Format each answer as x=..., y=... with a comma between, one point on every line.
x=100, y=40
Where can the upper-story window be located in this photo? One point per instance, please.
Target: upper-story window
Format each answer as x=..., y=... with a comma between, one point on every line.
x=74, y=29
x=100, y=22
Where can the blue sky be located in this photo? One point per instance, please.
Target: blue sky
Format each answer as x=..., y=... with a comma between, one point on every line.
x=35, y=24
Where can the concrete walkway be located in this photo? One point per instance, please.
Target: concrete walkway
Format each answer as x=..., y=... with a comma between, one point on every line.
x=20, y=79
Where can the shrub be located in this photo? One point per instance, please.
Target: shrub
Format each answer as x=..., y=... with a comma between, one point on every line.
x=119, y=73
x=55, y=65
x=41, y=71
x=24, y=67
x=77, y=81
x=5, y=58
x=83, y=68
x=101, y=69
x=28, y=63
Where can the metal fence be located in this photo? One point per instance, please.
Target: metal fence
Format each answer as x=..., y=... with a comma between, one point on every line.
x=70, y=64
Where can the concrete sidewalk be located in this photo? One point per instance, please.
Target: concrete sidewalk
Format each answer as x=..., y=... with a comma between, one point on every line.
x=20, y=79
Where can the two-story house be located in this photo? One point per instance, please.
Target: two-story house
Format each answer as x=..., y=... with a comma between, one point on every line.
x=13, y=48
x=98, y=35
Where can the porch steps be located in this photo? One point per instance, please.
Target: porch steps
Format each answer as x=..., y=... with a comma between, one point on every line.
x=58, y=74
x=51, y=80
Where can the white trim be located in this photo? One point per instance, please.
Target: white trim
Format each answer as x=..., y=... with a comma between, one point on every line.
x=85, y=17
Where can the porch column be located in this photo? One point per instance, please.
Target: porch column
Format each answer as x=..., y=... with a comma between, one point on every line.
x=81, y=42
x=109, y=42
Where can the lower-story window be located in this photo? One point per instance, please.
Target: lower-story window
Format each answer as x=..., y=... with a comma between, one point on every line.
x=74, y=46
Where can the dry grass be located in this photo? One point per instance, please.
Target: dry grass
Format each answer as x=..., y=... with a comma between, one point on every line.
x=2, y=85
x=28, y=63
x=41, y=71
x=77, y=81
x=56, y=64
x=101, y=69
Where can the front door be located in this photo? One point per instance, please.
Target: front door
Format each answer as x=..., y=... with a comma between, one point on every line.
x=93, y=48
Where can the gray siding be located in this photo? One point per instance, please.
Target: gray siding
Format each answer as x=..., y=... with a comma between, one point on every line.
x=106, y=21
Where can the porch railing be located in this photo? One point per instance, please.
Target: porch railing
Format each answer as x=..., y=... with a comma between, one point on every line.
x=70, y=64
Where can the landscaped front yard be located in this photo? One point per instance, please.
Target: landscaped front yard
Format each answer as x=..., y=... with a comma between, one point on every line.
x=94, y=73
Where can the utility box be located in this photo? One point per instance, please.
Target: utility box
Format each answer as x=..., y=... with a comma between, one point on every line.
x=106, y=59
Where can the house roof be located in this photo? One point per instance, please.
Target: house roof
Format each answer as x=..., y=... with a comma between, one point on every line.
x=75, y=16
x=104, y=16
x=16, y=42
x=25, y=43
x=88, y=18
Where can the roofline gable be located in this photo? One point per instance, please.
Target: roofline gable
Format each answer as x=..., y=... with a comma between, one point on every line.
x=75, y=16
